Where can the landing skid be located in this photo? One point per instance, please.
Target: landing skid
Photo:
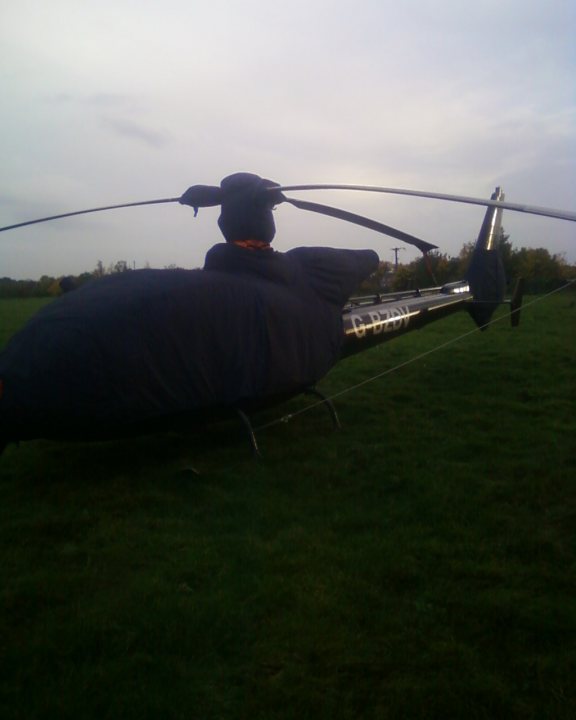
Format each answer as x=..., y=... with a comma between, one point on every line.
x=245, y=420
x=328, y=403
x=251, y=435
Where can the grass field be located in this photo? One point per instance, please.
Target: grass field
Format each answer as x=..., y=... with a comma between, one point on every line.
x=420, y=563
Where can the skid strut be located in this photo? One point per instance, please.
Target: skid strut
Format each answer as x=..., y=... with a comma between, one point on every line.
x=308, y=391
x=328, y=403
x=516, y=302
x=250, y=430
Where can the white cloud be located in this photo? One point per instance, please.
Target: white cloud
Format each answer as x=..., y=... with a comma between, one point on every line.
x=120, y=101
x=136, y=131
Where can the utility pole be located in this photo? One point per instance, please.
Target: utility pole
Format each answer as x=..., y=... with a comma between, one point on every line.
x=396, y=250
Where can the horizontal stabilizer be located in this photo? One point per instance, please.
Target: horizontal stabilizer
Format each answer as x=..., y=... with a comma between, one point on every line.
x=516, y=302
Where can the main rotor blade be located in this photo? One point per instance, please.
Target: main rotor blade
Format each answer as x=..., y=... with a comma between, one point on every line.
x=517, y=207
x=83, y=212
x=363, y=221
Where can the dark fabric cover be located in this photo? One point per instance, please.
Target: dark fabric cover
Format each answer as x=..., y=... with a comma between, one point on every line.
x=148, y=344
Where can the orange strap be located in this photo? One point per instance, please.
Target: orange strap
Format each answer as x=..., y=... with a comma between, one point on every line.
x=253, y=244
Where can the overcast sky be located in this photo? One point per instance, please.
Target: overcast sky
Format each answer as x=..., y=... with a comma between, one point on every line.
x=112, y=101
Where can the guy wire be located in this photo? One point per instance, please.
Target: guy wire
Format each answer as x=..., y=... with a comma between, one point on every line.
x=290, y=416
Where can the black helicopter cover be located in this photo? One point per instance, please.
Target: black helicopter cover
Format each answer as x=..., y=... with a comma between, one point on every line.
x=145, y=345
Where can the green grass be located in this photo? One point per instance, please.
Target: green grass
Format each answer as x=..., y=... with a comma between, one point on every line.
x=418, y=564
x=14, y=313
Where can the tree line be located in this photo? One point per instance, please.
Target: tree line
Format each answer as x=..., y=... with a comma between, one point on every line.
x=541, y=271
x=49, y=286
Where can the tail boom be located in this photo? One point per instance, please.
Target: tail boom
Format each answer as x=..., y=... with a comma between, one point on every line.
x=390, y=316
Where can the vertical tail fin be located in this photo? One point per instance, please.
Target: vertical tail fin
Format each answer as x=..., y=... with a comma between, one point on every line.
x=486, y=271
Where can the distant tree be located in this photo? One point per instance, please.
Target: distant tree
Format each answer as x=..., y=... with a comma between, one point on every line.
x=404, y=277
x=541, y=271
x=377, y=282
x=436, y=269
x=55, y=289
x=43, y=286
x=121, y=266
x=84, y=278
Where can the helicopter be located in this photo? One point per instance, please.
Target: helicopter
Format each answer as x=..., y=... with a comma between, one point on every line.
x=149, y=350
